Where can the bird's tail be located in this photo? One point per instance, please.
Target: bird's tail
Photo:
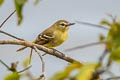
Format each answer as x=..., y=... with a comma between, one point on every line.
x=22, y=48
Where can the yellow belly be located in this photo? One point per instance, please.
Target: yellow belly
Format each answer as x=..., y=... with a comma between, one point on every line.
x=60, y=37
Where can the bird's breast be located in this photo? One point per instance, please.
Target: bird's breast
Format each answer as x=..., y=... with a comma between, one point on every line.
x=59, y=38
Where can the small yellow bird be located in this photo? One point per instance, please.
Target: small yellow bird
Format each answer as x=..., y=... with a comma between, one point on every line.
x=54, y=35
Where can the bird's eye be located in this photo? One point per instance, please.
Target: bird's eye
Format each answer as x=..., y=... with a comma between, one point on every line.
x=62, y=24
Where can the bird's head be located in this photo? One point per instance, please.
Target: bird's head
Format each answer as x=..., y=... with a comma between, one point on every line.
x=63, y=25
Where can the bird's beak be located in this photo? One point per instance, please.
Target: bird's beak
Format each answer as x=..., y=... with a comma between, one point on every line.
x=69, y=24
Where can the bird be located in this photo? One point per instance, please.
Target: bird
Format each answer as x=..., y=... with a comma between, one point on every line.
x=53, y=36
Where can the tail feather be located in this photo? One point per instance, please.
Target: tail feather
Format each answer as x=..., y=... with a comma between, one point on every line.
x=22, y=48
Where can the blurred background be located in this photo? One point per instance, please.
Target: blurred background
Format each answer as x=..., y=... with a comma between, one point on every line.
x=39, y=17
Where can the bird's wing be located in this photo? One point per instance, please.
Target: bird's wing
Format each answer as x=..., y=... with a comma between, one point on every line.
x=45, y=37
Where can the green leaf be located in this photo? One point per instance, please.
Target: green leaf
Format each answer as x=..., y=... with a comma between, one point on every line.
x=12, y=76
x=66, y=73
x=26, y=62
x=113, y=40
x=101, y=37
x=105, y=22
x=19, y=7
x=86, y=72
x=113, y=37
x=1, y=2
x=115, y=55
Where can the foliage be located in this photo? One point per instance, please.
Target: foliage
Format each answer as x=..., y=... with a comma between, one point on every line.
x=19, y=4
x=86, y=72
x=1, y=2
x=101, y=38
x=83, y=72
x=12, y=76
x=19, y=7
x=16, y=75
x=26, y=62
x=113, y=39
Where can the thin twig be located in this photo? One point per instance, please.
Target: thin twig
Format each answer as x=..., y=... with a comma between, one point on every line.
x=110, y=73
x=44, y=54
x=7, y=18
x=113, y=17
x=101, y=71
x=94, y=25
x=12, y=68
x=6, y=32
x=43, y=63
x=11, y=35
x=103, y=56
x=5, y=65
x=113, y=78
x=40, y=47
x=84, y=46
x=109, y=62
x=25, y=69
x=30, y=55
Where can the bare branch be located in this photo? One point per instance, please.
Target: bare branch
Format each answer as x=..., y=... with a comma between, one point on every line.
x=11, y=35
x=40, y=47
x=113, y=17
x=6, y=32
x=7, y=18
x=102, y=70
x=12, y=68
x=110, y=73
x=5, y=65
x=94, y=25
x=84, y=46
x=30, y=55
x=113, y=78
x=43, y=64
x=44, y=54
x=103, y=56
x=25, y=69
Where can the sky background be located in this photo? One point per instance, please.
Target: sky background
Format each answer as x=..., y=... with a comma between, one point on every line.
x=39, y=17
